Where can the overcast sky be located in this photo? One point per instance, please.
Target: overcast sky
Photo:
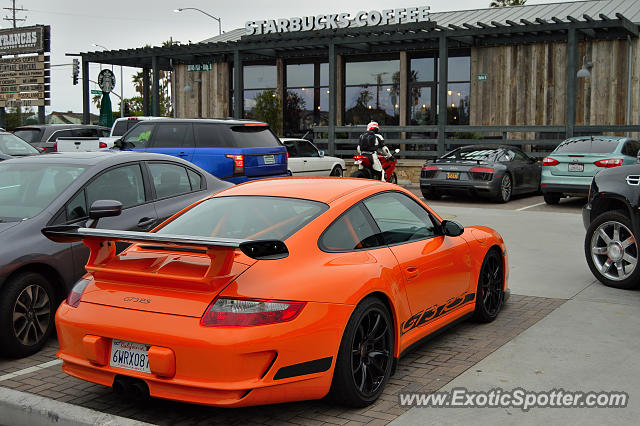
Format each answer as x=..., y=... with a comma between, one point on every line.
x=120, y=24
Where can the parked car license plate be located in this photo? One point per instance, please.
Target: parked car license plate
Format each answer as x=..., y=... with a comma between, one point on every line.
x=269, y=159
x=129, y=355
x=576, y=167
x=453, y=175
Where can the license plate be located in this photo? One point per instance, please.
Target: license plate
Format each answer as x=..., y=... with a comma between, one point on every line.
x=453, y=175
x=129, y=355
x=269, y=159
x=576, y=167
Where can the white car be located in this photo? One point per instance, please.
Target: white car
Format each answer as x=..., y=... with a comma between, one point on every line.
x=306, y=160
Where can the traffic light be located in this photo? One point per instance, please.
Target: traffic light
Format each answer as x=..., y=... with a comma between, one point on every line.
x=75, y=71
x=127, y=109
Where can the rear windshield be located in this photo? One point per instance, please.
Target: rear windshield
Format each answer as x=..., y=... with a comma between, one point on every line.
x=471, y=154
x=587, y=146
x=253, y=137
x=246, y=217
x=121, y=127
x=13, y=145
x=29, y=135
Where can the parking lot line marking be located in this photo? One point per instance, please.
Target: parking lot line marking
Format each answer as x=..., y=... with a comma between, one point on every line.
x=532, y=205
x=30, y=369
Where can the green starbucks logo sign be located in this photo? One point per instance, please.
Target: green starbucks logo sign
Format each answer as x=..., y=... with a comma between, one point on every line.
x=106, y=80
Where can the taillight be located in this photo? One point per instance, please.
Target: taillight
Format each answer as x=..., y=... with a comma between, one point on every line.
x=238, y=163
x=55, y=147
x=610, y=162
x=359, y=157
x=548, y=161
x=42, y=148
x=225, y=312
x=425, y=167
x=103, y=145
x=73, y=299
x=481, y=170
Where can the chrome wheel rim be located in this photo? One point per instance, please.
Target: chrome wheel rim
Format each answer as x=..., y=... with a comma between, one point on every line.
x=614, y=250
x=31, y=314
x=505, y=187
x=492, y=285
x=371, y=353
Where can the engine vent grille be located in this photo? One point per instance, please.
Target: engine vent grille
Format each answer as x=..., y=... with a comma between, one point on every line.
x=633, y=180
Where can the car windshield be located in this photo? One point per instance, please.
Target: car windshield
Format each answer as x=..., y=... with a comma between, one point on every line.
x=29, y=135
x=587, y=146
x=246, y=217
x=121, y=127
x=27, y=189
x=13, y=145
x=471, y=154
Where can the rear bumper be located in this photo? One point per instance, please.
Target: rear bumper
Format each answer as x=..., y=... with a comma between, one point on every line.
x=242, y=179
x=444, y=185
x=566, y=189
x=222, y=366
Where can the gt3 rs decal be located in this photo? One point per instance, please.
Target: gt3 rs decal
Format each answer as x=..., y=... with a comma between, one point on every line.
x=435, y=311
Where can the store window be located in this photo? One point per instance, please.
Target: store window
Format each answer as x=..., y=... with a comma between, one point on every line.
x=307, y=97
x=372, y=92
x=260, y=94
x=458, y=90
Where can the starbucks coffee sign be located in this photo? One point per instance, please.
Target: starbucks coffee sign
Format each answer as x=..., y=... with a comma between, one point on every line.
x=339, y=20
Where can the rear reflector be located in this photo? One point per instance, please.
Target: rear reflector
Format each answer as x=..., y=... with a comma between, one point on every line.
x=610, y=162
x=429, y=168
x=225, y=312
x=548, y=161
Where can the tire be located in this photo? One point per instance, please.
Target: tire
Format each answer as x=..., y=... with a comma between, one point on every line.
x=505, y=189
x=430, y=194
x=551, y=198
x=490, y=291
x=337, y=171
x=361, y=173
x=615, y=262
x=394, y=178
x=364, y=363
x=27, y=309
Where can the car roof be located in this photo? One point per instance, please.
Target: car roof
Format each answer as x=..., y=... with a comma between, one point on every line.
x=228, y=121
x=57, y=126
x=323, y=189
x=106, y=158
x=600, y=138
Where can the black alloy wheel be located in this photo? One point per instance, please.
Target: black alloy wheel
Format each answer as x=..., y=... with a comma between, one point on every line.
x=505, y=189
x=365, y=357
x=490, y=292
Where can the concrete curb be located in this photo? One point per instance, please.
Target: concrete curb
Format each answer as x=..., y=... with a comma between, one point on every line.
x=20, y=408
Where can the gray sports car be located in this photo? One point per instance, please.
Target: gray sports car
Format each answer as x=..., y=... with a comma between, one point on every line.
x=498, y=171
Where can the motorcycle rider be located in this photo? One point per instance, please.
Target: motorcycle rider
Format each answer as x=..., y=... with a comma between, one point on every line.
x=370, y=142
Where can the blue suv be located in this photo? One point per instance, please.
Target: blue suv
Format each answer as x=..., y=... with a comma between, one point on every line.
x=234, y=150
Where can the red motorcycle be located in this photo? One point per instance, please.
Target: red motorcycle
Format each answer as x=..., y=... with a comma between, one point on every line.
x=365, y=169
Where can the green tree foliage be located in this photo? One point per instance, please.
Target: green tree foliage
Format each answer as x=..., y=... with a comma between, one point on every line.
x=267, y=109
x=505, y=3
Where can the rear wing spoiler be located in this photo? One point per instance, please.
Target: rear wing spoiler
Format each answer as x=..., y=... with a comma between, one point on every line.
x=255, y=249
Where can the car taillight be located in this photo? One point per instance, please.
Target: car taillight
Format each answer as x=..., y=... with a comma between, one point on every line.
x=55, y=147
x=103, y=145
x=548, y=161
x=609, y=162
x=42, y=148
x=225, y=312
x=73, y=299
x=238, y=163
x=425, y=167
x=481, y=170
x=359, y=157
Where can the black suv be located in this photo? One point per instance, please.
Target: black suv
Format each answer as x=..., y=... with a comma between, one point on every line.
x=612, y=220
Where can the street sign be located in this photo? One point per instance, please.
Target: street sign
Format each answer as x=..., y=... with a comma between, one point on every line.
x=199, y=67
x=482, y=77
x=96, y=92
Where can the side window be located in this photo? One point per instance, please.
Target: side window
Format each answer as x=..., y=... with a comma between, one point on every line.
x=630, y=148
x=291, y=148
x=104, y=133
x=211, y=136
x=122, y=184
x=77, y=207
x=400, y=218
x=517, y=155
x=195, y=179
x=61, y=134
x=169, y=180
x=351, y=231
x=305, y=149
x=139, y=136
x=171, y=135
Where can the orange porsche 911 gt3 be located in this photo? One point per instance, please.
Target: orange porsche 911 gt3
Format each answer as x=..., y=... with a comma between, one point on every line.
x=272, y=291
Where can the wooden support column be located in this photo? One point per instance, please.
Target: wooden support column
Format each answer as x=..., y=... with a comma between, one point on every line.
x=86, y=117
x=238, y=86
x=339, y=90
x=572, y=60
x=442, y=92
x=155, y=87
x=145, y=92
x=333, y=98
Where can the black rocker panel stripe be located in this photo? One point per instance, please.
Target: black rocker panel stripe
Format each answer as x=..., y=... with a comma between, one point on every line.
x=309, y=367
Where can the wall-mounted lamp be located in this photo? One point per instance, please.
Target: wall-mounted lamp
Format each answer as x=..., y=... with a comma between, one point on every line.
x=584, y=71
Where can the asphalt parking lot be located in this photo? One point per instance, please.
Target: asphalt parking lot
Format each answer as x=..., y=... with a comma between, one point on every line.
x=561, y=328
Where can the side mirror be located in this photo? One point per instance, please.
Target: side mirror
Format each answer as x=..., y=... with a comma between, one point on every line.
x=451, y=228
x=103, y=208
x=321, y=153
x=638, y=157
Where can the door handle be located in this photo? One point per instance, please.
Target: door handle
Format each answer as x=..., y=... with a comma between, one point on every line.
x=145, y=222
x=412, y=272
